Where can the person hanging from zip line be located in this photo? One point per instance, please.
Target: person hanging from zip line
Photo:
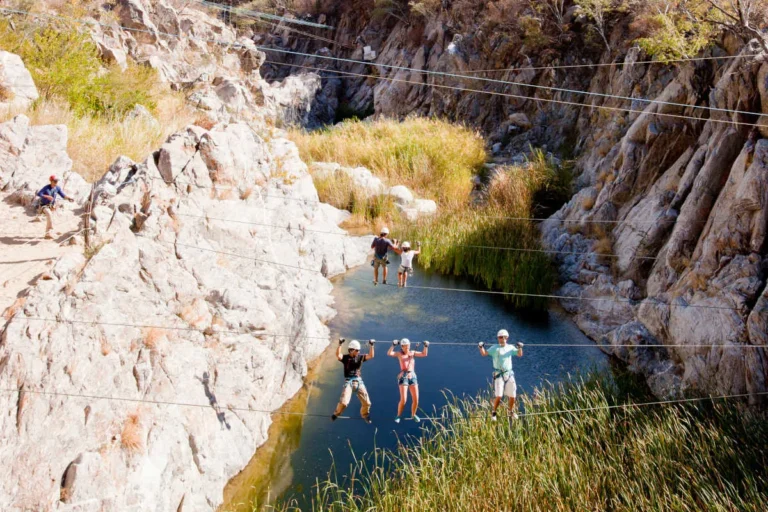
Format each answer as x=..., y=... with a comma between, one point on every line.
x=381, y=246
x=503, y=376
x=47, y=196
x=406, y=263
x=352, y=380
x=406, y=379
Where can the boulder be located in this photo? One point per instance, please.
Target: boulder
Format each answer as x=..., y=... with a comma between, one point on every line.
x=400, y=194
x=17, y=89
x=361, y=177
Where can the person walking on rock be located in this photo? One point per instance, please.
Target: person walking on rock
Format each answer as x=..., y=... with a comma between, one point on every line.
x=47, y=196
x=406, y=379
x=381, y=245
x=406, y=263
x=503, y=376
x=352, y=380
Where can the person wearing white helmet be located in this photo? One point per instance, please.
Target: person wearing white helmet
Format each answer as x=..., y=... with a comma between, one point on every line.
x=381, y=246
x=353, y=361
x=406, y=263
x=406, y=379
x=503, y=376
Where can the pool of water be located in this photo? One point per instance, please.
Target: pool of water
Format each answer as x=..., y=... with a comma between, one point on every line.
x=304, y=449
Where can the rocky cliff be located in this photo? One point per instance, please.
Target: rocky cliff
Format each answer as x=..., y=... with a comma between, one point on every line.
x=665, y=236
x=140, y=372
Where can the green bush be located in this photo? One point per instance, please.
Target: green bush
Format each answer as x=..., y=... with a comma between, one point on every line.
x=65, y=65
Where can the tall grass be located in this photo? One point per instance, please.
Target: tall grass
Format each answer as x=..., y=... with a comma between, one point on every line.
x=433, y=158
x=468, y=241
x=705, y=456
x=340, y=190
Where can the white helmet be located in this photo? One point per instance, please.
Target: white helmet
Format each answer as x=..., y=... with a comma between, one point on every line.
x=384, y=230
x=501, y=333
x=405, y=341
x=353, y=345
x=406, y=245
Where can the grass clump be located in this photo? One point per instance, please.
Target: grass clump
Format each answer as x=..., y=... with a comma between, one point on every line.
x=470, y=241
x=701, y=456
x=434, y=158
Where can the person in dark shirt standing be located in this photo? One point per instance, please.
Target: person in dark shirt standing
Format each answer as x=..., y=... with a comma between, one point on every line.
x=352, y=380
x=47, y=196
x=381, y=245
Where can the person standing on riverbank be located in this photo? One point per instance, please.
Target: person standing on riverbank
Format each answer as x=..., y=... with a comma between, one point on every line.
x=381, y=246
x=503, y=376
x=352, y=378
x=406, y=379
x=47, y=196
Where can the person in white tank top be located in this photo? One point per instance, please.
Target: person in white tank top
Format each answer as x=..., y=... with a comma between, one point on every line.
x=406, y=263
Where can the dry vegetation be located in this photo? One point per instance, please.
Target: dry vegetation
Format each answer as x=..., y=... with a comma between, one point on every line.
x=132, y=435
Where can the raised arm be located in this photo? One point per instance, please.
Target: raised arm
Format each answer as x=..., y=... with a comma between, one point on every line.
x=370, y=355
x=338, y=349
x=424, y=352
x=395, y=248
x=391, y=351
x=520, y=349
x=483, y=352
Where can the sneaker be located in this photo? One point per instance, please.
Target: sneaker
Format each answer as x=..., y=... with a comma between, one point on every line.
x=514, y=416
x=333, y=417
x=368, y=419
x=384, y=281
x=48, y=236
x=376, y=282
x=397, y=420
x=416, y=419
x=493, y=416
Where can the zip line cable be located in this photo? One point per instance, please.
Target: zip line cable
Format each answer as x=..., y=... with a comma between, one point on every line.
x=614, y=64
x=347, y=235
x=211, y=332
x=217, y=406
x=258, y=14
x=437, y=73
x=534, y=99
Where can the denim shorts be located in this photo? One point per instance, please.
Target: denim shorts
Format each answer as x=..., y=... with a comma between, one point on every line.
x=407, y=379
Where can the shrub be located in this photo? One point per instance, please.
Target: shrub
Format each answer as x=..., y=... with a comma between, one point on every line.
x=131, y=437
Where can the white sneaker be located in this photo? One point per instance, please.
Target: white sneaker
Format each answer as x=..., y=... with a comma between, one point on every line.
x=493, y=417
x=514, y=416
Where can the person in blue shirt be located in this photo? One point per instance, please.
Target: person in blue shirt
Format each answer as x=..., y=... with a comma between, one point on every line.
x=381, y=245
x=503, y=376
x=47, y=196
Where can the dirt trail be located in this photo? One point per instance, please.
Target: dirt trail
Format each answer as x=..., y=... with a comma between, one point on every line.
x=24, y=254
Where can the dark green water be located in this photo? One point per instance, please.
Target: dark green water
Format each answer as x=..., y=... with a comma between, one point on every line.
x=310, y=446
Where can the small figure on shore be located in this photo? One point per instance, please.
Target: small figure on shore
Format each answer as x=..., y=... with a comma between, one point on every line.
x=406, y=379
x=406, y=263
x=381, y=246
x=47, y=196
x=352, y=380
x=503, y=376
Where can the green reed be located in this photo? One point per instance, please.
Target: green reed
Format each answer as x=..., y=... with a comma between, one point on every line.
x=699, y=456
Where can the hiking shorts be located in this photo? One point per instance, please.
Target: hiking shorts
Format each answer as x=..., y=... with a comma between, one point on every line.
x=407, y=379
x=403, y=270
x=379, y=262
x=504, y=385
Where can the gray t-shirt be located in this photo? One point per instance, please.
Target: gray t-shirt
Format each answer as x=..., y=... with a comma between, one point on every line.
x=381, y=246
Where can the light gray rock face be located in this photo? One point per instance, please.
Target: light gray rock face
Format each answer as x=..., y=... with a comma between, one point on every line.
x=17, y=89
x=683, y=204
x=30, y=154
x=360, y=176
x=191, y=297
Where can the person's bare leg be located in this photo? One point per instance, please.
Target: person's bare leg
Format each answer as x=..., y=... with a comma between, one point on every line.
x=375, y=273
x=415, y=396
x=496, y=402
x=403, y=400
x=48, y=222
x=512, y=404
x=385, y=273
x=405, y=279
